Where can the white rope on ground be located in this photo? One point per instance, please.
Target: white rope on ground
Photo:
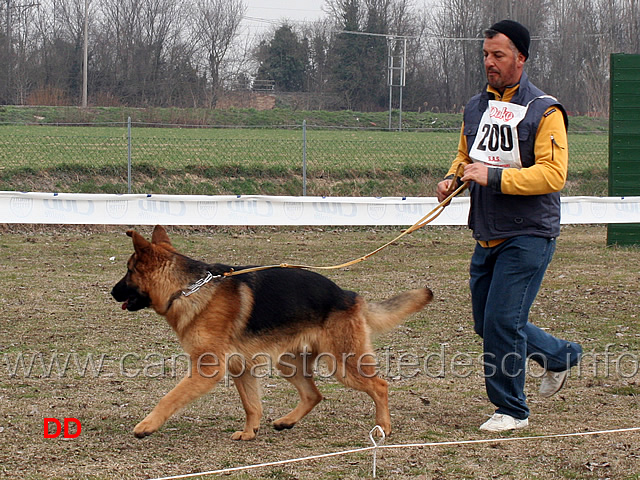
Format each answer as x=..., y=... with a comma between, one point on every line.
x=396, y=446
x=268, y=464
x=378, y=429
x=511, y=439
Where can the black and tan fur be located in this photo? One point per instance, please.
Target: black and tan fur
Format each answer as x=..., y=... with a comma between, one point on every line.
x=276, y=311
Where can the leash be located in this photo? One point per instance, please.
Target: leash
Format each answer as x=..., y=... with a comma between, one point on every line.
x=452, y=191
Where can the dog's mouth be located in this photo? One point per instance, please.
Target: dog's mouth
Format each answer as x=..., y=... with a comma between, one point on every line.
x=132, y=299
x=136, y=303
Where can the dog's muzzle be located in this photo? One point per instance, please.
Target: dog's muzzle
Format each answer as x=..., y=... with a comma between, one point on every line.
x=132, y=298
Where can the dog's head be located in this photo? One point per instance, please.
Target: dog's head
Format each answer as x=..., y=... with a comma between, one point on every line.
x=135, y=288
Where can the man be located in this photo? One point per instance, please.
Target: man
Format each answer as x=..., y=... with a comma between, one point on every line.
x=513, y=146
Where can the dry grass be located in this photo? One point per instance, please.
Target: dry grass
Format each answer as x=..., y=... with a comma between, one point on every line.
x=54, y=299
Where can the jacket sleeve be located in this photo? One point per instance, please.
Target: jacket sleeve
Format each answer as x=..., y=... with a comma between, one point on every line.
x=549, y=173
x=462, y=156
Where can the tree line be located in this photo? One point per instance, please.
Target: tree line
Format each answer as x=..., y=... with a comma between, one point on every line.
x=188, y=53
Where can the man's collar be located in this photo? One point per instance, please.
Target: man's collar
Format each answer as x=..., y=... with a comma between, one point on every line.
x=507, y=95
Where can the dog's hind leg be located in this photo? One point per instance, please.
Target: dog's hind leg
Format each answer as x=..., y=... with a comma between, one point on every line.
x=364, y=378
x=300, y=374
x=356, y=367
x=378, y=390
x=191, y=387
x=249, y=391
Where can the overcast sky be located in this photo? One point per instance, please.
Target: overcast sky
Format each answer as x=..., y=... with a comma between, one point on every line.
x=263, y=14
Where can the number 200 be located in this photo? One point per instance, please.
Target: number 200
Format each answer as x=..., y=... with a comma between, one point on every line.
x=494, y=136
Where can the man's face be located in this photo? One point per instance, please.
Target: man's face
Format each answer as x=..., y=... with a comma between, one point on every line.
x=502, y=65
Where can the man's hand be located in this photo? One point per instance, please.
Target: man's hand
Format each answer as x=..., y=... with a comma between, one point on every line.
x=475, y=172
x=443, y=188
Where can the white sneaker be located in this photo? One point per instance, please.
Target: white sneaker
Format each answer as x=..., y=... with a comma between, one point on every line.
x=502, y=423
x=552, y=382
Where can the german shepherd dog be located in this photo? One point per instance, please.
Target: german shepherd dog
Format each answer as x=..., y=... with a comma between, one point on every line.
x=227, y=324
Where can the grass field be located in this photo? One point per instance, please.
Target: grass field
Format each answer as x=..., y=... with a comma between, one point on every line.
x=55, y=306
x=252, y=161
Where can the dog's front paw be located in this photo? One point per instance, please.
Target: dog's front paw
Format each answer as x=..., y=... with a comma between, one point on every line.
x=381, y=431
x=243, y=436
x=145, y=428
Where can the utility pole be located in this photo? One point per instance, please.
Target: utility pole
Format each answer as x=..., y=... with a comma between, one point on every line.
x=396, y=64
x=397, y=61
x=85, y=54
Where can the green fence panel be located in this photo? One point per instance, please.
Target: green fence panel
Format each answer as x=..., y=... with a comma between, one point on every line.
x=624, y=141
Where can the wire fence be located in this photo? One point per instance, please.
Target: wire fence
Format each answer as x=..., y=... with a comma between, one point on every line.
x=296, y=160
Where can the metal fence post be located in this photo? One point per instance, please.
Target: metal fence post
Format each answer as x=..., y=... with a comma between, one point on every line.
x=304, y=158
x=129, y=155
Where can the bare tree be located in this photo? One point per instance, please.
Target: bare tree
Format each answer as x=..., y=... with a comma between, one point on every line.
x=161, y=29
x=117, y=44
x=347, y=14
x=216, y=24
x=456, y=27
x=18, y=42
x=401, y=17
x=135, y=38
x=59, y=34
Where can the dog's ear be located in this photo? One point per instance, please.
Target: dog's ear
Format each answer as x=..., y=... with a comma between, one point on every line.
x=160, y=235
x=139, y=242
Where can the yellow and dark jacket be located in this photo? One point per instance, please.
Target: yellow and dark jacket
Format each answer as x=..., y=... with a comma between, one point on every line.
x=519, y=201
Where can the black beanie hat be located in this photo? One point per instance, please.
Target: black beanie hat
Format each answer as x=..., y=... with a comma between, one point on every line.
x=516, y=32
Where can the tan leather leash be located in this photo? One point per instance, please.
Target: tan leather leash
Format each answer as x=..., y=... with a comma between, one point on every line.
x=427, y=219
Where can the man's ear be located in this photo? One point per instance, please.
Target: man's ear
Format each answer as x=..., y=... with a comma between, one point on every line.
x=160, y=235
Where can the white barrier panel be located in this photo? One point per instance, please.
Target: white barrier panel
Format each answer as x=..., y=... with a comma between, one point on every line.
x=141, y=209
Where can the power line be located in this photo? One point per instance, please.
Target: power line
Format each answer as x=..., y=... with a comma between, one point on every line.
x=265, y=20
x=286, y=9
x=386, y=35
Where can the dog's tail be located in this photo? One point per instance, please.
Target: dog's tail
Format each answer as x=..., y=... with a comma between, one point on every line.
x=382, y=316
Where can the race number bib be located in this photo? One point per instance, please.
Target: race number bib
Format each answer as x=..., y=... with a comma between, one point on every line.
x=496, y=143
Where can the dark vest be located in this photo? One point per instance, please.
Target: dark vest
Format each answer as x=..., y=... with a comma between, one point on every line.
x=494, y=215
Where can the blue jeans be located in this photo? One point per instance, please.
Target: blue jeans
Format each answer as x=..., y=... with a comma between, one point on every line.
x=504, y=282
